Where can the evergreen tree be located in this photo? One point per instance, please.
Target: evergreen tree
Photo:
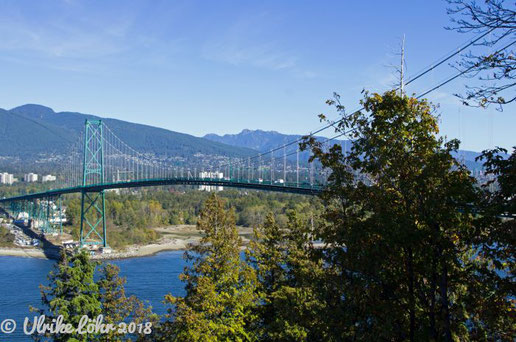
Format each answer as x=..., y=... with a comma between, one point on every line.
x=220, y=287
x=118, y=308
x=71, y=293
x=266, y=254
x=292, y=306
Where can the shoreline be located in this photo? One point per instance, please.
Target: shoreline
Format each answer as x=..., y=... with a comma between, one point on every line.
x=23, y=252
x=136, y=251
x=168, y=242
x=174, y=238
x=130, y=252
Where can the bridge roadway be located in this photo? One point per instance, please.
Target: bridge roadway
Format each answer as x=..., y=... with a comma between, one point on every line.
x=303, y=189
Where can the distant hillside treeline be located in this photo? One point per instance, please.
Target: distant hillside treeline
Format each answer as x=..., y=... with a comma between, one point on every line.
x=31, y=131
x=36, y=135
x=264, y=141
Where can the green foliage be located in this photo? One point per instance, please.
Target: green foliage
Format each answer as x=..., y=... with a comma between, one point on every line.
x=220, y=286
x=401, y=236
x=6, y=238
x=117, y=307
x=72, y=293
x=22, y=188
x=130, y=217
x=494, y=261
x=409, y=247
x=129, y=220
x=292, y=307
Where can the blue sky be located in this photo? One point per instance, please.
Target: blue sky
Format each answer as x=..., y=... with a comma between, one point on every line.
x=221, y=66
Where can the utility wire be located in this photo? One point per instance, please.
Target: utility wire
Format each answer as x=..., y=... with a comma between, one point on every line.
x=412, y=79
x=466, y=70
x=445, y=59
x=448, y=80
x=332, y=124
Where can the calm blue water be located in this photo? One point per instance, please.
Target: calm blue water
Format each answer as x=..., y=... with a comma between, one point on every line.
x=149, y=278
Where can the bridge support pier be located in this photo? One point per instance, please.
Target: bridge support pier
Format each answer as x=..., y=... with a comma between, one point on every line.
x=93, y=204
x=93, y=219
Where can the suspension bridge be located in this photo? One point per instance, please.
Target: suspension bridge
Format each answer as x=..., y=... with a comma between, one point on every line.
x=101, y=161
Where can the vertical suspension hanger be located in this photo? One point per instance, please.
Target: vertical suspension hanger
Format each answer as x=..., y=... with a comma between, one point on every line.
x=272, y=166
x=297, y=166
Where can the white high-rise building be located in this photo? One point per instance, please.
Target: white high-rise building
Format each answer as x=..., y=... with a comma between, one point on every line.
x=30, y=177
x=6, y=178
x=48, y=178
x=211, y=175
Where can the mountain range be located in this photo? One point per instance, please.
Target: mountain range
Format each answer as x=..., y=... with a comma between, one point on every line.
x=31, y=133
x=264, y=141
x=258, y=140
x=33, y=130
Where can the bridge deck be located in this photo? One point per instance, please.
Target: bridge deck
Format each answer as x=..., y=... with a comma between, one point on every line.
x=304, y=189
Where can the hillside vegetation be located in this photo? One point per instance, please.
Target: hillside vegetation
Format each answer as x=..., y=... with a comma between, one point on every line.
x=131, y=216
x=30, y=130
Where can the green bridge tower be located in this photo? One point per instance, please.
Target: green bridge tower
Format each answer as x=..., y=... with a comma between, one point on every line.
x=93, y=207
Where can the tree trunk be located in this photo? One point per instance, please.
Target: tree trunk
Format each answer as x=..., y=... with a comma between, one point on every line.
x=411, y=294
x=445, y=303
x=433, y=288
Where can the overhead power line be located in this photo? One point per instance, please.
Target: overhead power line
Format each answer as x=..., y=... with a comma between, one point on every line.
x=465, y=71
x=425, y=71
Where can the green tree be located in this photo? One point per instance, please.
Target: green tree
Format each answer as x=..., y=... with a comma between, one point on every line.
x=493, y=302
x=266, y=254
x=400, y=231
x=73, y=210
x=117, y=307
x=6, y=238
x=220, y=287
x=292, y=302
x=72, y=293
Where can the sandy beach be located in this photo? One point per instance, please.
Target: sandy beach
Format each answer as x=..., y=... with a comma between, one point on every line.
x=22, y=252
x=174, y=238
x=130, y=252
x=177, y=237
x=136, y=251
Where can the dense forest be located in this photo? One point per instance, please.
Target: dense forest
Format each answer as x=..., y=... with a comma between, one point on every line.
x=131, y=215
